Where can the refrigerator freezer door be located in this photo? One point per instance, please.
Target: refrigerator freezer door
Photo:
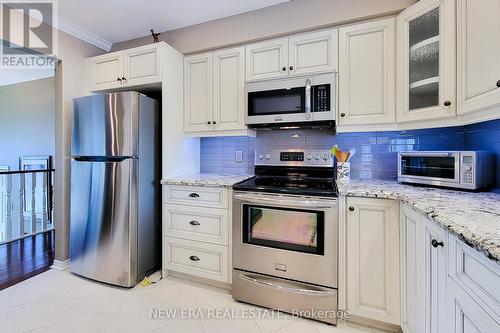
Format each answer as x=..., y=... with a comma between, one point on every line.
x=105, y=125
x=104, y=221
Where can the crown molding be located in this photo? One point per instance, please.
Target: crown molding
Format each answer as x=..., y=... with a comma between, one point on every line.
x=83, y=34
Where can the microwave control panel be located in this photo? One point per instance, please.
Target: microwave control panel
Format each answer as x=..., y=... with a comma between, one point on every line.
x=321, y=98
x=467, y=166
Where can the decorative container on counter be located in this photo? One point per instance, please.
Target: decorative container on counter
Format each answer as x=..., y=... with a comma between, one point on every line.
x=343, y=170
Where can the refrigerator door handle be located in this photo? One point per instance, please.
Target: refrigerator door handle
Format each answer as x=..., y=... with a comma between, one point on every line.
x=101, y=158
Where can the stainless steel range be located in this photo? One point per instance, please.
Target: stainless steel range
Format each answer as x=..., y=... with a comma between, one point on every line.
x=285, y=234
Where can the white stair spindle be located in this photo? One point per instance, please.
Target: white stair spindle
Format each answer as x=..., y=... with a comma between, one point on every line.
x=21, y=204
x=33, y=202
x=44, y=201
x=8, y=217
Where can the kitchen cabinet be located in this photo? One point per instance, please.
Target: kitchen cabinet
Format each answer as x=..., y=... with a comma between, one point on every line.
x=229, y=89
x=214, y=93
x=433, y=276
x=196, y=224
x=367, y=83
x=372, y=250
x=297, y=55
x=467, y=316
x=198, y=93
x=129, y=68
x=478, y=29
x=426, y=61
x=411, y=260
x=267, y=60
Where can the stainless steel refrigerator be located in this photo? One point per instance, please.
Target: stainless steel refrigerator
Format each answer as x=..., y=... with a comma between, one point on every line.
x=115, y=229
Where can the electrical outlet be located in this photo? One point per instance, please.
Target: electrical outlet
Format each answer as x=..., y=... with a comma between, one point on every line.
x=239, y=156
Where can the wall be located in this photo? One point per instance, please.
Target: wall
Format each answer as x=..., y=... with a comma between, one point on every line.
x=286, y=18
x=27, y=120
x=376, y=156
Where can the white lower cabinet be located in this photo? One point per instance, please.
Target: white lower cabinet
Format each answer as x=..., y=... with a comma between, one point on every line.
x=423, y=274
x=196, y=228
x=373, y=259
x=410, y=265
x=432, y=276
x=446, y=286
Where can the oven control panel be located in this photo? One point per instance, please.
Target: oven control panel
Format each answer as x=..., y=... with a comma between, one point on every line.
x=294, y=157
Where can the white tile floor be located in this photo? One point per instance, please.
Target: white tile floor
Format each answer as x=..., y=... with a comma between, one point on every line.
x=62, y=302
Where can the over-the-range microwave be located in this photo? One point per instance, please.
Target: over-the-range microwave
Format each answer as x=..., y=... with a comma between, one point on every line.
x=470, y=170
x=290, y=102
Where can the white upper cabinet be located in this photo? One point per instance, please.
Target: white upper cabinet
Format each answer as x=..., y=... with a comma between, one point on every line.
x=367, y=73
x=300, y=54
x=478, y=54
x=229, y=89
x=105, y=72
x=426, y=61
x=198, y=87
x=214, y=93
x=133, y=67
x=313, y=52
x=142, y=65
x=267, y=60
x=373, y=259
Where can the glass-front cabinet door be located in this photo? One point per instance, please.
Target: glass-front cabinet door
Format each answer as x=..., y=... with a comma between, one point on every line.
x=426, y=61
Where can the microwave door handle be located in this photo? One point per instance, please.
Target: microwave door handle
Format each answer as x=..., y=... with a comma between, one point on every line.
x=427, y=154
x=308, y=99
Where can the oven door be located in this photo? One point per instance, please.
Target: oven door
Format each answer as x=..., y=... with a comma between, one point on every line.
x=291, y=237
x=435, y=168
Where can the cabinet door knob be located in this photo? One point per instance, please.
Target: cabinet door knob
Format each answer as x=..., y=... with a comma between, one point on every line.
x=291, y=68
x=447, y=103
x=214, y=122
x=194, y=258
x=351, y=209
x=194, y=223
x=119, y=80
x=194, y=195
x=498, y=83
x=123, y=78
x=209, y=122
x=435, y=243
x=342, y=115
x=284, y=69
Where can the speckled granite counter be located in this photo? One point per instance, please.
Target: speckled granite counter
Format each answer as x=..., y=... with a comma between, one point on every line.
x=474, y=217
x=206, y=179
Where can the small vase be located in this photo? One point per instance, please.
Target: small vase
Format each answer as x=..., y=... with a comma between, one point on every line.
x=343, y=171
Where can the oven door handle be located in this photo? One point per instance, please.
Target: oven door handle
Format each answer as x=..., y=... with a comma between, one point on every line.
x=283, y=288
x=428, y=154
x=303, y=204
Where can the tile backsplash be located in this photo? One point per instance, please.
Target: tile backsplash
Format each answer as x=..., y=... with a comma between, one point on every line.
x=376, y=152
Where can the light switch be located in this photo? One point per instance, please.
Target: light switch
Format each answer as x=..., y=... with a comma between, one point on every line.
x=239, y=156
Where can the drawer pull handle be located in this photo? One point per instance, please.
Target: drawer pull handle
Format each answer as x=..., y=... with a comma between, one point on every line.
x=435, y=243
x=194, y=223
x=194, y=195
x=194, y=258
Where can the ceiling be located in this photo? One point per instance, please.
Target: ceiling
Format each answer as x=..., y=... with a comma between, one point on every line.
x=120, y=20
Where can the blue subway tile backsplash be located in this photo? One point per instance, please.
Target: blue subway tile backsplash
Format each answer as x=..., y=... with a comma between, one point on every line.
x=376, y=156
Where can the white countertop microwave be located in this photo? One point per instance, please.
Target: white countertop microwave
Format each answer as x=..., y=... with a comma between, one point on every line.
x=470, y=170
x=291, y=101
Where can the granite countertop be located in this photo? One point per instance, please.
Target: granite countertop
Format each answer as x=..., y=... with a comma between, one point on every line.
x=474, y=217
x=206, y=179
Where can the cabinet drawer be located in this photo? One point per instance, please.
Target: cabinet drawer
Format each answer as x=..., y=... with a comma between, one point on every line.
x=478, y=275
x=200, y=259
x=197, y=196
x=200, y=224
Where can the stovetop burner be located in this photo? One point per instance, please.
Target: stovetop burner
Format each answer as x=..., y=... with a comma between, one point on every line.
x=292, y=171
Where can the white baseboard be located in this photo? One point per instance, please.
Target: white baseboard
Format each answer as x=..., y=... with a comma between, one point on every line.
x=60, y=265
